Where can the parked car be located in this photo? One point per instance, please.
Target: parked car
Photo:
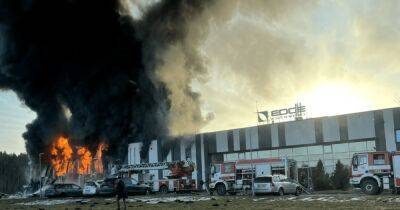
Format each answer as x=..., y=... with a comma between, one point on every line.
x=68, y=190
x=90, y=188
x=132, y=186
x=107, y=187
x=276, y=184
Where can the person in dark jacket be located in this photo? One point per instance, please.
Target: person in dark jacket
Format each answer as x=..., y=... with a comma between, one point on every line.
x=120, y=191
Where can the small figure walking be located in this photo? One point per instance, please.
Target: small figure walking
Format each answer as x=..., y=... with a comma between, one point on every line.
x=120, y=191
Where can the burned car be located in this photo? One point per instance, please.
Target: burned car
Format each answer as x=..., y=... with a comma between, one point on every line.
x=132, y=186
x=63, y=190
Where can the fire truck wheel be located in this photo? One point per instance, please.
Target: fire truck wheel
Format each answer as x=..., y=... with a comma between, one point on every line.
x=370, y=187
x=221, y=190
x=163, y=189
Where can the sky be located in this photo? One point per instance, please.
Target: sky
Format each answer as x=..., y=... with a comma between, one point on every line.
x=13, y=118
x=335, y=57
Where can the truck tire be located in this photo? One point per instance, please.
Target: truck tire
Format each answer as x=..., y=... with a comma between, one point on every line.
x=370, y=187
x=163, y=189
x=221, y=190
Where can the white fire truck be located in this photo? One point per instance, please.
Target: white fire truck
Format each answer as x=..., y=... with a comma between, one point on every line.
x=374, y=172
x=237, y=176
x=176, y=176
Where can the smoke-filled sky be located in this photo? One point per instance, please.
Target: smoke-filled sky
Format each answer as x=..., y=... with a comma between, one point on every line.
x=333, y=56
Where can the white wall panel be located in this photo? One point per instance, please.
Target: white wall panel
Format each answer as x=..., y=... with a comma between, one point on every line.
x=153, y=158
x=236, y=140
x=134, y=150
x=330, y=129
x=222, y=141
x=389, y=130
x=274, y=135
x=300, y=132
x=251, y=138
x=361, y=125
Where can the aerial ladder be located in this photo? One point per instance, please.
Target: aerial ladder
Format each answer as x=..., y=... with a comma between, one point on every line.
x=178, y=179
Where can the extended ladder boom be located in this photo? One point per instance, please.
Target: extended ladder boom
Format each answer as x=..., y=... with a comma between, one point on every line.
x=153, y=166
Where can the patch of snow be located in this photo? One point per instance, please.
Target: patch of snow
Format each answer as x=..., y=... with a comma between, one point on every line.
x=152, y=200
x=48, y=202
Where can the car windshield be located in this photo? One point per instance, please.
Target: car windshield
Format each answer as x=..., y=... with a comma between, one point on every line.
x=263, y=180
x=90, y=184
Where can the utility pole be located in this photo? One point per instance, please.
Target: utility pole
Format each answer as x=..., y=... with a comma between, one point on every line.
x=40, y=173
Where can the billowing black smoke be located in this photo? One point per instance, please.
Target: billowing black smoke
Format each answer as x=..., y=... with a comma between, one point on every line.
x=92, y=59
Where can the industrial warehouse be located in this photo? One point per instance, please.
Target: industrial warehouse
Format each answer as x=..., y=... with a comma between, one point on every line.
x=306, y=141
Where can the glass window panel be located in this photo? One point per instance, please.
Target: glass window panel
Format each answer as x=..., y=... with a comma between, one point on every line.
x=371, y=146
x=300, y=151
x=232, y=156
x=341, y=155
x=315, y=150
x=255, y=155
x=328, y=149
x=329, y=169
x=316, y=157
x=357, y=147
x=225, y=157
x=285, y=152
x=340, y=148
x=248, y=155
x=328, y=163
x=300, y=158
x=241, y=156
x=274, y=153
x=345, y=161
x=328, y=156
x=264, y=154
x=397, y=135
x=312, y=163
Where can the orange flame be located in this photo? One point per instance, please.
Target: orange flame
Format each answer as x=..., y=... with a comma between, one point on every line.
x=98, y=163
x=61, y=153
x=84, y=161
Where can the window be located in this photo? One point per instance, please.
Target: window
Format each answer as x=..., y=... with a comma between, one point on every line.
x=340, y=148
x=267, y=179
x=379, y=159
x=398, y=135
x=370, y=145
x=216, y=168
x=264, y=154
x=232, y=156
x=300, y=151
x=357, y=147
x=362, y=160
x=328, y=149
x=229, y=168
x=315, y=150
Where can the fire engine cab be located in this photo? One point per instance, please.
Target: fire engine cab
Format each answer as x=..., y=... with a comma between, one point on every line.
x=374, y=172
x=231, y=177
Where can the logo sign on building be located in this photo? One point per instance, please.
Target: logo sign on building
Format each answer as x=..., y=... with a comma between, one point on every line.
x=296, y=112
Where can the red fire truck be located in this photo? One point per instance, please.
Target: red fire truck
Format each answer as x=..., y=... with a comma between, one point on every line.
x=374, y=172
x=176, y=176
x=233, y=176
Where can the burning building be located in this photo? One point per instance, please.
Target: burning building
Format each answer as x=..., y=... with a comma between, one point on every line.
x=91, y=72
